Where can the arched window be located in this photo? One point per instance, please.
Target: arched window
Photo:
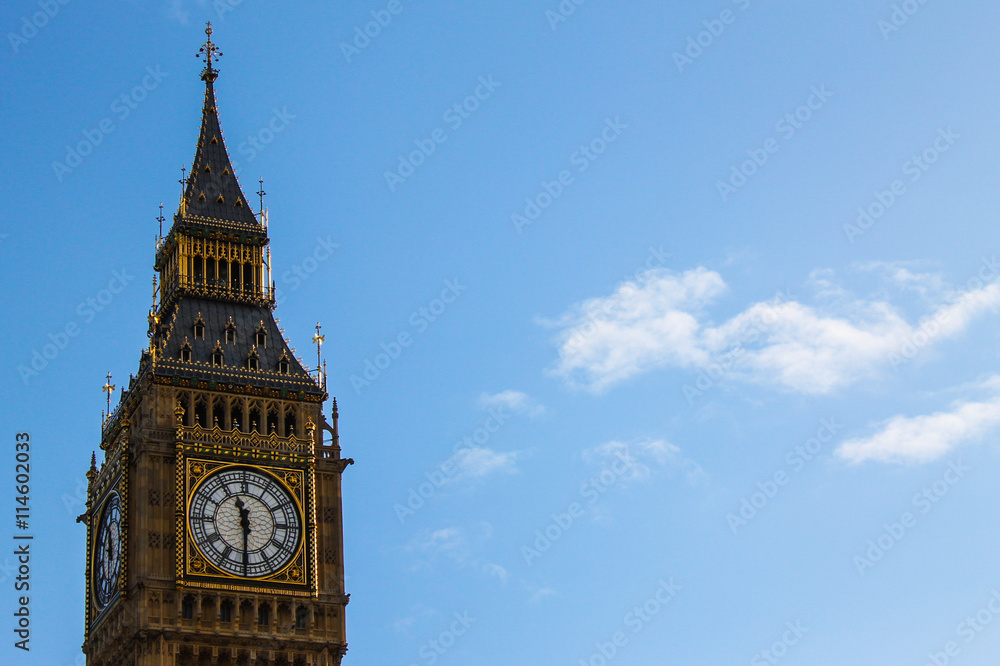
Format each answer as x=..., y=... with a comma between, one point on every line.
x=186, y=351
x=199, y=328
x=187, y=608
x=226, y=611
x=253, y=360
x=261, y=336
x=230, y=332
x=263, y=615
x=301, y=617
x=217, y=357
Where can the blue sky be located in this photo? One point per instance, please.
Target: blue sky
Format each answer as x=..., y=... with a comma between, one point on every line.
x=718, y=374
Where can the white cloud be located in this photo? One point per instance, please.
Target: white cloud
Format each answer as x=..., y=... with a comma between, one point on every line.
x=477, y=462
x=927, y=437
x=539, y=594
x=516, y=401
x=659, y=322
x=638, y=462
x=457, y=545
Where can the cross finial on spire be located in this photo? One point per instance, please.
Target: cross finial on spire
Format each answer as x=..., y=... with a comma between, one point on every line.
x=208, y=51
x=109, y=389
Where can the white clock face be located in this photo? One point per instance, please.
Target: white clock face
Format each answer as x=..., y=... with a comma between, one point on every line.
x=244, y=522
x=107, y=551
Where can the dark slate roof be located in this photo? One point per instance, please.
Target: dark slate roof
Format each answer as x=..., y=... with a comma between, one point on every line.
x=179, y=324
x=201, y=194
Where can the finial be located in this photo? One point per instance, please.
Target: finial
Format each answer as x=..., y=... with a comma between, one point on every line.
x=319, y=339
x=183, y=182
x=160, y=219
x=207, y=52
x=92, y=472
x=108, y=388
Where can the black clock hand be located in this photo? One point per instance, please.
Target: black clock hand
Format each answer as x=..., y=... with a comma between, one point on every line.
x=245, y=524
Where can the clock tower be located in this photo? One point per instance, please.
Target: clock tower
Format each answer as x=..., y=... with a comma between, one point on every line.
x=213, y=518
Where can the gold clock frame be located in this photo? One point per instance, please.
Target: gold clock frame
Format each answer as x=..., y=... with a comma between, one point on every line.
x=120, y=488
x=194, y=569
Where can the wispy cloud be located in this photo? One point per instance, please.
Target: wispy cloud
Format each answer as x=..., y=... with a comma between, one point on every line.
x=927, y=437
x=516, y=401
x=640, y=461
x=457, y=545
x=478, y=462
x=660, y=321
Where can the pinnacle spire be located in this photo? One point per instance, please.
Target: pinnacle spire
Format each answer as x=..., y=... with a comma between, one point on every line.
x=212, y=194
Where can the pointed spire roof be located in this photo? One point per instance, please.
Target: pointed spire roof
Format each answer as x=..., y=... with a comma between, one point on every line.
x=212, y=193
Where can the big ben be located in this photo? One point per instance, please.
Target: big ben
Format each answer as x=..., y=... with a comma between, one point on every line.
x=214, y=520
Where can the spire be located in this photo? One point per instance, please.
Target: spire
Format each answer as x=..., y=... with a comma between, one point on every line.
x=211, y=193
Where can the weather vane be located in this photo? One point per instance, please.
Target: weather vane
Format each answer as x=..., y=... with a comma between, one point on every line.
x=108, y=388
x=160, y=219
x=261, y=194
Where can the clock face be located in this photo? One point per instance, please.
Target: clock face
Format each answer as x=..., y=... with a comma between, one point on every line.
x=245, y=522
x=108, y=551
